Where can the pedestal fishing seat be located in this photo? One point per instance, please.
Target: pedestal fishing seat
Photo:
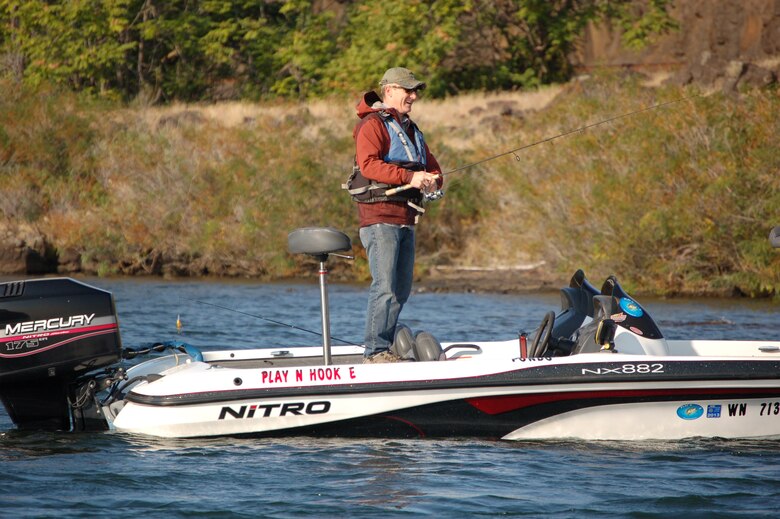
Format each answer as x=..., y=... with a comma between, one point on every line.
x=321, y=242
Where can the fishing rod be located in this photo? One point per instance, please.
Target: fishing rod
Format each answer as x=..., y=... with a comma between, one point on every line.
x=548, y=139
x=280, y=323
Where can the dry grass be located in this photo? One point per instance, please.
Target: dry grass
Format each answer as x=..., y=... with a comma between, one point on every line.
x=456, y=121
x=675, y=200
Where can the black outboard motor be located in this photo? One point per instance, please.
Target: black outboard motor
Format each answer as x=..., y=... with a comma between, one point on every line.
x=52, y=331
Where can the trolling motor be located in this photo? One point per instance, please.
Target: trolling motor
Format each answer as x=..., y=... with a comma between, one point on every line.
x=320, y=242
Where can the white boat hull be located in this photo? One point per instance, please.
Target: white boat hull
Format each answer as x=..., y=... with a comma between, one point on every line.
x=591, y=396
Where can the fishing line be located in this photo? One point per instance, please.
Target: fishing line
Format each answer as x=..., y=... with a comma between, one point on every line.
x=280, y=323
x=549, y=139
x=564, y=134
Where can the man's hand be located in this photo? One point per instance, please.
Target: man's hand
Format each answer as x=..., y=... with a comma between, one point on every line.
x=424, y=181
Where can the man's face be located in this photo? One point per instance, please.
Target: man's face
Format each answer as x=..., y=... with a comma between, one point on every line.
x=400, y=98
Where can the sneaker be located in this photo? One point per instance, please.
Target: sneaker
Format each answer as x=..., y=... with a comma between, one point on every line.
x=381, y=358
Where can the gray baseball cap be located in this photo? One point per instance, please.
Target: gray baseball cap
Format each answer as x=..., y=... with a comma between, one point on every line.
x=402, y=77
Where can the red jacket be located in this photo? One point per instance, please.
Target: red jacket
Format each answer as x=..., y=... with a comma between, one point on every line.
x=372, y=143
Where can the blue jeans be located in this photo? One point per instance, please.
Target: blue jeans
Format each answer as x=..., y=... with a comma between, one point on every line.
x=390, y=251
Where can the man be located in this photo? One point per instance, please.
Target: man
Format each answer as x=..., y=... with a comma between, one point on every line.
x=390, y=151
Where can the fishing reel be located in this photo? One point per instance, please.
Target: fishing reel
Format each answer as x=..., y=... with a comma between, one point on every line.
x=432, y=196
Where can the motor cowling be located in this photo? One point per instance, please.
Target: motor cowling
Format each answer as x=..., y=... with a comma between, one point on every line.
x=52, y=332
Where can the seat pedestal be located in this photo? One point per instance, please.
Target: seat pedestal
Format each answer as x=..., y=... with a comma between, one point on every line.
x=320, y=242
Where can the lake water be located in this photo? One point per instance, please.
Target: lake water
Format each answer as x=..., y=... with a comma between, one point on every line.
x=101, y=474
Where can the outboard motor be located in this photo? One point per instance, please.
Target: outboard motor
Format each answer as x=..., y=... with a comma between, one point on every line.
x=53, y=331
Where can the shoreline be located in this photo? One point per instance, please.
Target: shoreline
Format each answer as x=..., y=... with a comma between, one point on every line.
x=451, y=280
x=520, y=280
x=32, y=256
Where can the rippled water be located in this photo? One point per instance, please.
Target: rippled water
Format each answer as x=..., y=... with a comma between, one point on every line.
x=97, y=474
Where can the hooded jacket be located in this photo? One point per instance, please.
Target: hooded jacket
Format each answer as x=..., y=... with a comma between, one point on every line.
x=372, y=144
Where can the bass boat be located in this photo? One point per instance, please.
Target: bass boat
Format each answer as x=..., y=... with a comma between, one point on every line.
x=599, y=369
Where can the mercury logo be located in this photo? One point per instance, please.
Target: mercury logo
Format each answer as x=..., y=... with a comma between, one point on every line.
x=45, y=325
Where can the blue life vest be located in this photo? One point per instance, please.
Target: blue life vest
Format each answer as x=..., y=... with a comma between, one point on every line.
x=402, y=152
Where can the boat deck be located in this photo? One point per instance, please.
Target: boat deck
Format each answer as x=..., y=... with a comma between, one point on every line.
x=286, y=362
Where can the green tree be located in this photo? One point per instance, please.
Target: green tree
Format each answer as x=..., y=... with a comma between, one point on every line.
x=78, y=43
x=174, y=49
x=515, y=43
x=380, y=34
x=214, y=49
x=206, y=49
x=306, y=47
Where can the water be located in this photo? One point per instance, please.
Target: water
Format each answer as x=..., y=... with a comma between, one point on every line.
x=97, y=474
